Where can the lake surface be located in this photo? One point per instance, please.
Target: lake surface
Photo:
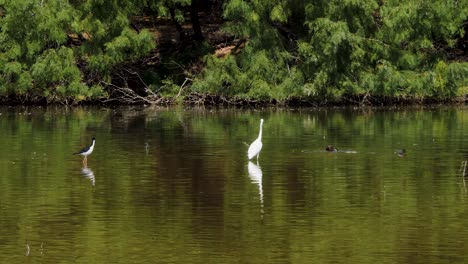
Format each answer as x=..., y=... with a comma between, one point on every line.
x=173, y=185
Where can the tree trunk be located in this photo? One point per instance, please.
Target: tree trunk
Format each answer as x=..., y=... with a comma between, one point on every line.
x=198, y=35
x=177, y=25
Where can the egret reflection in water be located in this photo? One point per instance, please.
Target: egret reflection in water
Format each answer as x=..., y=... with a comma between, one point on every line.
x=255, y=174
x=88, y=173
x=147, y=146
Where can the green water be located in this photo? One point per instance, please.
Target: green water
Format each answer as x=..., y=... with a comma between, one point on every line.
x=175, y=186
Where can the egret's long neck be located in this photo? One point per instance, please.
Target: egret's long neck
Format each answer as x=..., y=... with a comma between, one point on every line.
x=92, y=145
x=260, y=133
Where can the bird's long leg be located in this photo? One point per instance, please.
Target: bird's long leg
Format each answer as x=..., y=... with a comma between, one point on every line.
x=85, y=162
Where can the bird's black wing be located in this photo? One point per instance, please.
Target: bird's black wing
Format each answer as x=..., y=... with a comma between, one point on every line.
x=81, y=151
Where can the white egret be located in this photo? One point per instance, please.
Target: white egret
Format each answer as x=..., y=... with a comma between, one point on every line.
x=256, y=146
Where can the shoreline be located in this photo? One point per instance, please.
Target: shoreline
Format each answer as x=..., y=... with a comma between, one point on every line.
x=208, y=100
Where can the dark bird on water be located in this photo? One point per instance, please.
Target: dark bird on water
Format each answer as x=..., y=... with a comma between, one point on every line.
x=401, y=152
x=331, y=149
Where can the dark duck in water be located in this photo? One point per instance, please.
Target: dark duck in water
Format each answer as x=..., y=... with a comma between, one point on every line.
x=331, y=149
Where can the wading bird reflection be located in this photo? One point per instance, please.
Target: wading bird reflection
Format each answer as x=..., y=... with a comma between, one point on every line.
x=88, y=173
x=256, y=175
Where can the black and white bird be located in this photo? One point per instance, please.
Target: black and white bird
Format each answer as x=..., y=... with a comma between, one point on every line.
x=331, y=149
x=400, y=152
x=87, y=151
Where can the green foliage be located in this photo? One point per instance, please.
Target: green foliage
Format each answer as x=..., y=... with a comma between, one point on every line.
x=260, y=75
x=37, y=59
x=125, y=47
x=264, y=68
x=65, y=50
x=55, y=66
x=349, y=47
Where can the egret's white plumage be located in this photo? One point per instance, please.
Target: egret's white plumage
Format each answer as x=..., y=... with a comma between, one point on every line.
x=256, y=146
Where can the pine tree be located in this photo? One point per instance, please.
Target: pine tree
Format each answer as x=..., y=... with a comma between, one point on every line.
x=333, y=49
x=47, y=46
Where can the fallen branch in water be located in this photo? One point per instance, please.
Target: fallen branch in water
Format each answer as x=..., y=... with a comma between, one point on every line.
x=126, y=95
